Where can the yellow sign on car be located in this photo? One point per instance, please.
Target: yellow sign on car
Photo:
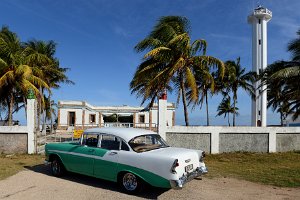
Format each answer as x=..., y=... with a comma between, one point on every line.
x=77, y=133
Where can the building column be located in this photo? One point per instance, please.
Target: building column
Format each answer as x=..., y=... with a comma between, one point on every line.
x=150, y=119
x=173, y=118
x=58, y=119
x=134, y=116
x=100, y=117
x=83, y=118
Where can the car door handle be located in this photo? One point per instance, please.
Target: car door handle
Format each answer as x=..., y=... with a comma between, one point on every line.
x=112, y=153
x=91, y=150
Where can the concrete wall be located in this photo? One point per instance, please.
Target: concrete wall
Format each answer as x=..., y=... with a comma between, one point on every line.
x=13, y=139
x=191, y=140
x=218, y=139
x=253, y=142
x=288, y=142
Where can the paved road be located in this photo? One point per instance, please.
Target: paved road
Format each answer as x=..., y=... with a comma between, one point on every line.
x=37, y=183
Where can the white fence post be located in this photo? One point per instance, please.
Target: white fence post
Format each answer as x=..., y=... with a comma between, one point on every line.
x=31, y=109
x=272, y=142
x=215, y=139
x=162, y=111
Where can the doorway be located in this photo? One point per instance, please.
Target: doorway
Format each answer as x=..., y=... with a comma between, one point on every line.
x=71, y=121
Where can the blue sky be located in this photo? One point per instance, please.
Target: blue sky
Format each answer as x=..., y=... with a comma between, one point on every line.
x=95, y=39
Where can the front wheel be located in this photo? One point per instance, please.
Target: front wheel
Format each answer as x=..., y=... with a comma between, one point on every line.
x=57, y=167
x=130, y=183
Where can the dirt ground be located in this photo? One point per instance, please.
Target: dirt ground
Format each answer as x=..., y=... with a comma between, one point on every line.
x=37, y=183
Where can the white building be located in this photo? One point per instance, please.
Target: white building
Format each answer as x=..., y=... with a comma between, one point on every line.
x=82, y=115
x=259, y=19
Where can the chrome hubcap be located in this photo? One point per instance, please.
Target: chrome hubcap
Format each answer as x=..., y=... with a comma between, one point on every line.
x=55, y=167
x=130, y=181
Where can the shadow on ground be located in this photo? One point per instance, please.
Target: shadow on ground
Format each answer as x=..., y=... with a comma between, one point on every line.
x=149, y=192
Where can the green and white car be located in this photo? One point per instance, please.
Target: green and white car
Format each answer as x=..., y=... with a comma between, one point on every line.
x=129, y=156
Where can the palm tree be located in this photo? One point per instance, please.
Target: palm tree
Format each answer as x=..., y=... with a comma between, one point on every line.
x=15, y=76
x=206, y=85
x=237, y=78
x=294, y=48
x=288, y=74
x=50, y=111
x=225, y=108
x=283, y=79
x=172, y=58
x=41, y=56
x=140, y=85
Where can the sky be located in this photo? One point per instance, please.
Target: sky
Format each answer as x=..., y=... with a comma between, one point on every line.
x=96, y=39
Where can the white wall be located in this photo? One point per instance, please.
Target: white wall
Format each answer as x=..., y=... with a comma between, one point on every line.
x=63, y=121
x=215, y=131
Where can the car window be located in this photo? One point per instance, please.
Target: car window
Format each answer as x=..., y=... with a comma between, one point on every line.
x=110, y=142
x=90, y=140
x=147, y=143
x=124, y=146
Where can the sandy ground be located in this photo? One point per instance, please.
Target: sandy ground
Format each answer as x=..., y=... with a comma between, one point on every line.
x=37, y=183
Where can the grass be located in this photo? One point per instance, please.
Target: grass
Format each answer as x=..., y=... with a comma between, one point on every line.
x=12, y=164
x=278, y=169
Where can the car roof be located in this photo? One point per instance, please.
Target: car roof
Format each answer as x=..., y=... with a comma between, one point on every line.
x=125, y=133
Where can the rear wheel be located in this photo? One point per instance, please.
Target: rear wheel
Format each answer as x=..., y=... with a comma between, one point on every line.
x=57, y=168
x=130, y=183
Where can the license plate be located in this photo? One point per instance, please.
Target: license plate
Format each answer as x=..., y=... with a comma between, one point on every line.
x=188, y=168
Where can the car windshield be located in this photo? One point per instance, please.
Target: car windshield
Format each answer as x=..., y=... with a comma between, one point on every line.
x=147, y=143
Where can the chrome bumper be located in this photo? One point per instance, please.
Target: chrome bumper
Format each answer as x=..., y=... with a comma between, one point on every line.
x=178, y=184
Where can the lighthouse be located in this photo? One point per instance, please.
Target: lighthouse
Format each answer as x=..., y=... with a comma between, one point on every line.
x=259, y=19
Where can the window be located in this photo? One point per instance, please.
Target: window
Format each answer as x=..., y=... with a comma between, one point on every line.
x=259, y=42
x=147, y=143
x=92, y=118
x=110, y=142
x=141, y=118
x=259, y=21
x=124, y=146
x=90, y=140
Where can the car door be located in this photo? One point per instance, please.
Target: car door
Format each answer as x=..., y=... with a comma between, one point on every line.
x=81, y=157
x=106, y=157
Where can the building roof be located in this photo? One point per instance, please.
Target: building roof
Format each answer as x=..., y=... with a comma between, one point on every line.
x=124, y=133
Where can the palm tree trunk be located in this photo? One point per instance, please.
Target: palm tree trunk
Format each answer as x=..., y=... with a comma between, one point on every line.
x=50, y=110
x=25, y=105
x=186, y=116
x=10, y=109
x=281, y=118
x=207, y=116
x=228, y=120
x=234, y=103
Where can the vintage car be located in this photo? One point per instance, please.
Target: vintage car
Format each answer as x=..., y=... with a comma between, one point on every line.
x=129, y=156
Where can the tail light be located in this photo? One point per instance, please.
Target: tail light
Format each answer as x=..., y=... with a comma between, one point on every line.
x=174, y=165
